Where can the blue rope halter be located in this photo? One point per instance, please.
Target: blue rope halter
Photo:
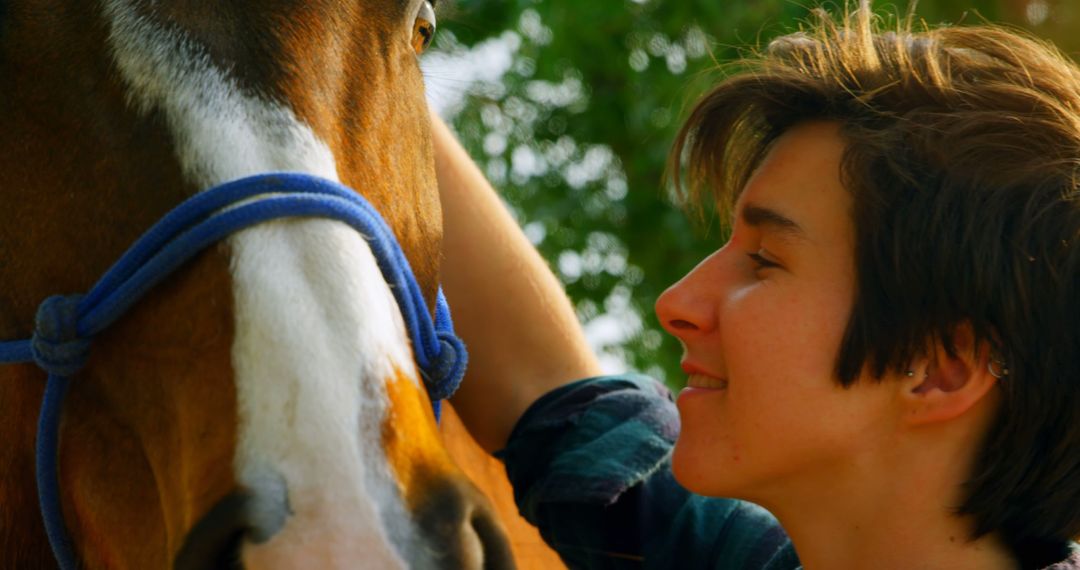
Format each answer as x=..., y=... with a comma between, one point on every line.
x=65, y=325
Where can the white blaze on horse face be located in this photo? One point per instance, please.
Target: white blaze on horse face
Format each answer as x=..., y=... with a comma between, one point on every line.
x=317, y=328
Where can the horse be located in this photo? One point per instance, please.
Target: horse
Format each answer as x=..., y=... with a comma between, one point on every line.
x=260, y=408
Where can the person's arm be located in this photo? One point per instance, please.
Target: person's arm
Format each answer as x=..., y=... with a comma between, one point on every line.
x=523, y=336
x=589, y=460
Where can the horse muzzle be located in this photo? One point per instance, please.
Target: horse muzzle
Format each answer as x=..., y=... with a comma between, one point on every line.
x=455, y=528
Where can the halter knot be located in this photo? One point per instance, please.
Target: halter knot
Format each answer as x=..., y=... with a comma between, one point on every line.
x=56, y=345
x=447, y=367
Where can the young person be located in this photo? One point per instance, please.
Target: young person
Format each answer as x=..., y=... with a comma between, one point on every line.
x=885, y=354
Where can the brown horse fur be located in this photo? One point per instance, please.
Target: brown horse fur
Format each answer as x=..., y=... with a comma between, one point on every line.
x=148, y=430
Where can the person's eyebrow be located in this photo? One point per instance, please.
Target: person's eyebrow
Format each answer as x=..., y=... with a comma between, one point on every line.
x=760, y=217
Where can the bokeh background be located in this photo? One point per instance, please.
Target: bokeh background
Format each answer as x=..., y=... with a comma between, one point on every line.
x=570, y=108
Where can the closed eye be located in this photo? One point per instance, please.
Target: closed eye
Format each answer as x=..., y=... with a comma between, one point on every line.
x=762, y=262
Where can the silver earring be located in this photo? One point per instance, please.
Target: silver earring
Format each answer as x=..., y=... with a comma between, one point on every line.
x=1004, y=367
x=911, y=374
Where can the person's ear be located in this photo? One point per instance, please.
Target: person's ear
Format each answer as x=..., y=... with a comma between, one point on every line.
x=945, y=386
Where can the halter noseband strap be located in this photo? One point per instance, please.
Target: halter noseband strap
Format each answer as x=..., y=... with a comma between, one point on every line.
x=65, y=325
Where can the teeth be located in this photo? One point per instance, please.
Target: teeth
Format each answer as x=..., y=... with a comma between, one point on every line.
x=702, y=381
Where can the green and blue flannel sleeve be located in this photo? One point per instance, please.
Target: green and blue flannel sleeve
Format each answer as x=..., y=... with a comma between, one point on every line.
x=590, y=466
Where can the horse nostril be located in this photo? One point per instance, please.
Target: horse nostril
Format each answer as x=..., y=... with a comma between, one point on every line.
x=496, y=547
x=214, y=542
x=461, y=522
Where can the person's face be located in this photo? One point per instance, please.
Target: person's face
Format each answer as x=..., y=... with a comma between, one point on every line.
x=761, y=321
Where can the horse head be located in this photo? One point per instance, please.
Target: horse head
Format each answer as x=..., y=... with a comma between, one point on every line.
x=261, y=406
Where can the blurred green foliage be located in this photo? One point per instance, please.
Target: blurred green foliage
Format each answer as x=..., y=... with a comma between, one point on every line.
x=575, y=134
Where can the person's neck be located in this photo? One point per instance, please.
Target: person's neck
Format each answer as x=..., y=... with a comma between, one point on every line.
x=891, y=513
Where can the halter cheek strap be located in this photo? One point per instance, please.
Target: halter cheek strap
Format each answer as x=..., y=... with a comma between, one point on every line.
x=65, y=325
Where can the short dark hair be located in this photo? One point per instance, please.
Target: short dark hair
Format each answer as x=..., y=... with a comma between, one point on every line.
x=963, y=157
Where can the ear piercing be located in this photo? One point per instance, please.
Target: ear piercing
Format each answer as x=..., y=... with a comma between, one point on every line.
x=997, y=367
x=911, y=374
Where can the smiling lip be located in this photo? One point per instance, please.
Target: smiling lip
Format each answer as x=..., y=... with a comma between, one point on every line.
x=699, y=378
x=706, y=382
x=691, y=368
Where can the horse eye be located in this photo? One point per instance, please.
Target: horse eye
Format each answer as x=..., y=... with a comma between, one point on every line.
x=423, y=27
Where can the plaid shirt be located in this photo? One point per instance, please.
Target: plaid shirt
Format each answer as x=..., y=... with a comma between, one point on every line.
x=590, y=466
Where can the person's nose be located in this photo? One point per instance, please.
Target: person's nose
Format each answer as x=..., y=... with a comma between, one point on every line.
x=688, y=309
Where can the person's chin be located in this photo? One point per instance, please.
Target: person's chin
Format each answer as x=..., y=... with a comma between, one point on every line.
x=692, y=469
